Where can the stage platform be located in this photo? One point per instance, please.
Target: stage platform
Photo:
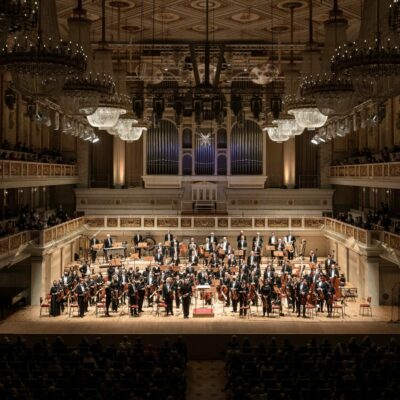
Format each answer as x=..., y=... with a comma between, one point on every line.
x=27, y=321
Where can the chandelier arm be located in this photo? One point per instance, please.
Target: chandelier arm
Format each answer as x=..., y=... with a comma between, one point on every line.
x=219, y=65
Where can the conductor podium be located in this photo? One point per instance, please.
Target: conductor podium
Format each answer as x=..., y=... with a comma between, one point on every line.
x=204, y=311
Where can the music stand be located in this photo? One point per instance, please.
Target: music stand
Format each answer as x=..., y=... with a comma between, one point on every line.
x=142, y=246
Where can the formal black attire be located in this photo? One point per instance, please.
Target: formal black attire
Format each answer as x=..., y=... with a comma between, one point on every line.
x=244, y=299
x=108, y=300
x=266, y=295
x=106, y=245
x=168, y=293
x=80, y=291
x=133, y=299
x=235, y=287
x=138, y=238
x=186, y=293
x=93, y=251
x=54, y=304
x=302, y=290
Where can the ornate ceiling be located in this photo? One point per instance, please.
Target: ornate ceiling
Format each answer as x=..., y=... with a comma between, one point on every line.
x=231, y=21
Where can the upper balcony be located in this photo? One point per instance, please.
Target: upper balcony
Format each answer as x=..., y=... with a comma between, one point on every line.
x=17, y=174
x=378, y=175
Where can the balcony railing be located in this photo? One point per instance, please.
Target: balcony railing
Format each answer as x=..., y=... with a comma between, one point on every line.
x=59, y=231
x=10, y=244
x=375, y=170
x=10, y=169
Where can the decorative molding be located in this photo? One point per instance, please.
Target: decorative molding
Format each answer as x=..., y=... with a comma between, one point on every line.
x=167, y=222
x=130, y=222
x=204, y=222
x=241, y=223
x=278, y=222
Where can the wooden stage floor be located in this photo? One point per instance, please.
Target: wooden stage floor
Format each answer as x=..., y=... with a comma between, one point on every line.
x=27, y=321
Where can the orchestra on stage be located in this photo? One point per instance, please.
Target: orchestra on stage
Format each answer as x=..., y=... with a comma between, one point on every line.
x=250, y=276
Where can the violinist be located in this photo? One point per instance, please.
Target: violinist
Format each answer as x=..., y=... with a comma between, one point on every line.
x=214, y=261
x=168, y=295
x=234, y=294
x=151, y=286
x=269, y=273
x=108, y=298
x=225, y=287
x=66, y=280
x=193, y=258
x=133, y=297
x=55, y=291
x=321, y=289
x=266, y=296
x=329, y=297
x=243, y=297
x=185, y=290
x=253, y=260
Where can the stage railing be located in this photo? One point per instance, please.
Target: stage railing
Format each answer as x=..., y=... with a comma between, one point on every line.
x=58, y=231
x=10, y=169
x=375, y=170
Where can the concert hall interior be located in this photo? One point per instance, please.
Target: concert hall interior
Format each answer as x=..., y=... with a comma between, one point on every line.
x=199, y=198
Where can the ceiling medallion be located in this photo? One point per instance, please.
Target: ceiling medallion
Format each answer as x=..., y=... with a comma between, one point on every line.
x=121, y=4
x=296, y=4
x=202, y=28
x=278, y=29
x=245, y=17
x=131, y=28
x=166, y=17
x=201, y=4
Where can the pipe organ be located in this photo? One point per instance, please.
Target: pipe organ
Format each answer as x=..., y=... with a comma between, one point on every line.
x=163, y=149
x=246, y=149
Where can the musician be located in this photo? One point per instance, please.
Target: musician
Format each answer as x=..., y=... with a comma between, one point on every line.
x=321, y=289
x=213, y=239
x=253, y=260
x=93, y=251
x=159, y=257
x=81, y=292
x=313, y=257
x=107, y=244
x=286, y=269
x=226, y=281
x=108, y=298
x=133, y=298
x=190, y=269
x=280, y=247
x=328, y=264
x=239, y=237
x=175, y=259
x=273, y=241
x=110, y=272
x=243, y=297
x=243, y=274
x=266, y=296
x=301, y=297
x=174, y=249
x=290, y=241
x=55, y=291
x=329, y=297
x=85, y=269
x=257, y=243
x=168, y=295
x=208, y=246
x=66, y=280
x=234, y=293
x=242, y=245
x=193, y=258
x=214, y=261
x=192, y=247
x=254, y=285
x=138, y=238
x=115, y=293
x=224, y=245
x=203, y=278
x=269, y=273
x=185, y=291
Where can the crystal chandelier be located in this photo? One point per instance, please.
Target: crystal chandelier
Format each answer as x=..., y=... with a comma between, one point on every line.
x=275, y=134
x=333, y=93
x=288, y=125
x=16, y=15
x=110, y=108
x=373, y=65
x=305, y=110
x=82, y=92
x=39, y=65
x=133, y=134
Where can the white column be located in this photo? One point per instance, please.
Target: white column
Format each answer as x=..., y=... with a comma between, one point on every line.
x=37, y=277
x=118, y=162
x=289, y=163
x=371, y=273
